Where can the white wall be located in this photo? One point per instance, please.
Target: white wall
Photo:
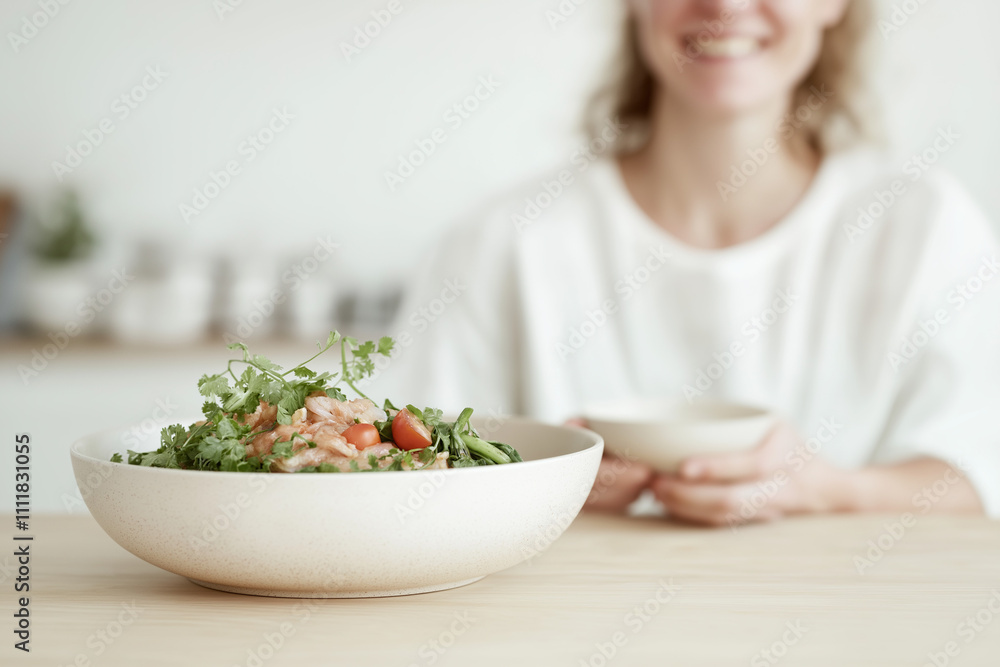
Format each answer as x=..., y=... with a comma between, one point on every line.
x=941, y=68
x=352, y=119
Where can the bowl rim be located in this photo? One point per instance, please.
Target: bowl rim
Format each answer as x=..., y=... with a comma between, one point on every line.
x=602, y=411
x=596, y=438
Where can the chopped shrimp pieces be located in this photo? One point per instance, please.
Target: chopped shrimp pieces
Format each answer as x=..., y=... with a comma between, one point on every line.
x=322, y=421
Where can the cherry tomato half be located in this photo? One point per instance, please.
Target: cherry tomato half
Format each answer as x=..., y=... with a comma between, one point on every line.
x=408, y=432
x=362, y=435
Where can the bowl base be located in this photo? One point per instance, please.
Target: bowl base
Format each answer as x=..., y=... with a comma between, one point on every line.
x=268, y=592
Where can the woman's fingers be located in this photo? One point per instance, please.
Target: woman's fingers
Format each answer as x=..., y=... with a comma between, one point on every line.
x=713, y=504
x=619, y=482
x=715, y=489
x=742, y=487
x=726, y=467
x=751, y=464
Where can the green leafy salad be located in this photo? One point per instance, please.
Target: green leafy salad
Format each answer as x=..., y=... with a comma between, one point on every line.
x=266, y=419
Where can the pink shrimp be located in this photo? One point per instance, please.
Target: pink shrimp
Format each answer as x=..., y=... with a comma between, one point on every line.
x=262, y=417
x=317, y=455
x=326, y=436
x=342, y=414
x=321, y=421
x=263, y=443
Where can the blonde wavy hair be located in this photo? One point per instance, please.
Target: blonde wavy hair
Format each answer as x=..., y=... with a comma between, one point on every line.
x=846, y=118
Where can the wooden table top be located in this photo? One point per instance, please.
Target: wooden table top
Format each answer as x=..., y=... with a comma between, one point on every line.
x=612, y=591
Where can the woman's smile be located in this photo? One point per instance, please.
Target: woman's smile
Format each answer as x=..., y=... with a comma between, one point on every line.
x=724, y=48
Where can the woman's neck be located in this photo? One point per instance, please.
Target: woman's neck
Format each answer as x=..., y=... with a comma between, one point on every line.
x=716, y=182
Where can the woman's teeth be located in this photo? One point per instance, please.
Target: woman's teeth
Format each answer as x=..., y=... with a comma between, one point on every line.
x=730, y=47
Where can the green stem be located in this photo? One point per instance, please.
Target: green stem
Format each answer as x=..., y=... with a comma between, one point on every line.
x=193, y=433
x=462, y=420
x=485, y=449
x=291, y=370
x=356, y=390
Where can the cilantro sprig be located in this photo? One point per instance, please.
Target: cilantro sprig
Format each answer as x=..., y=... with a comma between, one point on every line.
x=219, y=442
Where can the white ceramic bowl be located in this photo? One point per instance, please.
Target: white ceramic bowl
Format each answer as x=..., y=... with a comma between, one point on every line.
x=663, y=432
x=346, y=534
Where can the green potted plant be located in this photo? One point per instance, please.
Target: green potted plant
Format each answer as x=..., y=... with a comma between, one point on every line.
x=60, y=278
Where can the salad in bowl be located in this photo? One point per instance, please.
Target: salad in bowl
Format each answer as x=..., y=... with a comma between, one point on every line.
x=265, y=493
x=266, y=419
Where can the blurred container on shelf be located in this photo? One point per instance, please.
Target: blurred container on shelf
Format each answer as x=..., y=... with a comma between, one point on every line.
x=312, y=310
x=371, y=308
x=170, y=300
x=312, y=287
x=56, y=297
x=252, y=304
x=162, y=291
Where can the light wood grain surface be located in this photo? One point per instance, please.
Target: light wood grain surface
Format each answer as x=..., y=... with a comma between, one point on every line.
x=646, y=591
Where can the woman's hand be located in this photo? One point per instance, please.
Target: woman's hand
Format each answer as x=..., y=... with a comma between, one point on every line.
x=777, y=478
x=619, y=481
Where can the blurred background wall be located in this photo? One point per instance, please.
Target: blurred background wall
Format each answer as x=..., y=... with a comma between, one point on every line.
x=228, y=65
x=228, y=142
x=353, y=112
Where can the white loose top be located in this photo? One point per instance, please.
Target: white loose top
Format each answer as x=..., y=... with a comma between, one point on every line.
x=873, y=308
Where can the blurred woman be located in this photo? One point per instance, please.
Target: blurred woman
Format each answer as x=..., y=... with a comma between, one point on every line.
x=730, y=236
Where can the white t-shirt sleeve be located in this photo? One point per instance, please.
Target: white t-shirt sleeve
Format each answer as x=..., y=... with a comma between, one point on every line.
x=948, y=356
x=456, y=329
